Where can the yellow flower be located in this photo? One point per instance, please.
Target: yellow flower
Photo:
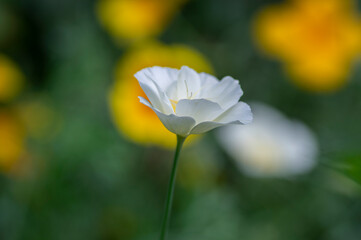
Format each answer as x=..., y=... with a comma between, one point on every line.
x=136, y=19
x=11, y=79
x=135, y=120
x=11, y=141
x=317, y=39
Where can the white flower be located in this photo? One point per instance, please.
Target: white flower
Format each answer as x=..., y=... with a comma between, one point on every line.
x=272, y=146
x=190, y=103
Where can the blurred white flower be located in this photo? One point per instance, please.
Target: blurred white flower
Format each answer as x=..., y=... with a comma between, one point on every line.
x=187, y=102
x=272, y=146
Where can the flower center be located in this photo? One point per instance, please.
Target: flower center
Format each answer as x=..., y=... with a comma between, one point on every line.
x=322, y=32
x=174, y=104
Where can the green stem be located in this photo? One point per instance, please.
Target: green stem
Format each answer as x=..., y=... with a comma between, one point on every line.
x=168, y=206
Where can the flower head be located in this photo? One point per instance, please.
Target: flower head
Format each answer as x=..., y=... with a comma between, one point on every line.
x=317, y=40
x=12, y=141
x=272, y=146
x=136, y=19
x=135, y=121
x=187, y=102
x=11, y=79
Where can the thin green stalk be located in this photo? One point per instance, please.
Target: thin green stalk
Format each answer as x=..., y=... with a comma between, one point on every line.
x=168, y=206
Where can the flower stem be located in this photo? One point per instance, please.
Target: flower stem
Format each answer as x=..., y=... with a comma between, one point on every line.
x=168, y=206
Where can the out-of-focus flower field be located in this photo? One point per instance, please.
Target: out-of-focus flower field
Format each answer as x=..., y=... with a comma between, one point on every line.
x=81, y=158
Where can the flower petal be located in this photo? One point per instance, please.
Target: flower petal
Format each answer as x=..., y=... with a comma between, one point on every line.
x=199, y=109
x=226, y=92
x=207, y=79
x=178, y=125
x=188, y=83
x=163, y=76
x=239, y=112
x=156, y=96
x=207, y=126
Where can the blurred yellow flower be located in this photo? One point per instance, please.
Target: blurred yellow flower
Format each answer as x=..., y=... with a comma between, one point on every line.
x=11, y=141
x=134, y=119
x=11, y=79
x=317, y=39
x=136, y=19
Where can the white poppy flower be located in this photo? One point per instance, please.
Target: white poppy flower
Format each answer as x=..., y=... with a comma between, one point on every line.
x=187, y=102
x=272, y=146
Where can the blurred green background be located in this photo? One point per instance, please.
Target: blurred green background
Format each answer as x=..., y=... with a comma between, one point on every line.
x=75, y=175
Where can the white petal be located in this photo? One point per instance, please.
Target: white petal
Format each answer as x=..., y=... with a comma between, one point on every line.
x=207, y=79
x=178, y=125
x=163, y=76
x=207, y=126
x=226, y=92
x=188, y=83
x=172, y=91
x=154, y=93
x=239, y=112
x=200, y=110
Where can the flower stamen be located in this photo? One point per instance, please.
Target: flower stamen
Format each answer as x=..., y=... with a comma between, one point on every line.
x=188, y=97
